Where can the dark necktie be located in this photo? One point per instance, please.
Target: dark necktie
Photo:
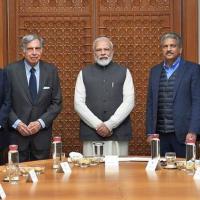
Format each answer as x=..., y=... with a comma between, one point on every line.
x=33, y=84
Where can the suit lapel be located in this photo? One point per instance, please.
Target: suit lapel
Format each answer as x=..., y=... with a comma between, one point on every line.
x=156, y=81
x=43, y=77
x=23, y=79
x=179, y=76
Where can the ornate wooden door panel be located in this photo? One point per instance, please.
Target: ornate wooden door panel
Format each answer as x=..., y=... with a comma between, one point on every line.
x=66, y=26
x=135, y=27
x=69, y=27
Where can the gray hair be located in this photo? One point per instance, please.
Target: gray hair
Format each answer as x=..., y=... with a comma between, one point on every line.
x=172, y=35
x=102, y=38
x=29, y=38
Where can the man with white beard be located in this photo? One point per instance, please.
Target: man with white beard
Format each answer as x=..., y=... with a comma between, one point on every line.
x=104, y=98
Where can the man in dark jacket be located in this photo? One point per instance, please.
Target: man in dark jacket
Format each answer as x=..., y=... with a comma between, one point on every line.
x=173, y=104
x=4, y=111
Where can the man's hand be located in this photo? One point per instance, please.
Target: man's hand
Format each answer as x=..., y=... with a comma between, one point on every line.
x=34, y=127
x=191, y=137
x=23, y=129
x=151, y=136
x=103, y=130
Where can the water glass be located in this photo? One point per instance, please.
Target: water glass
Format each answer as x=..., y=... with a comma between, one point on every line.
x=170, y=159
x=75, y=160
x=62, y=157
x=98, y=149
x=197, y=164
x=155, y=148
x=13, y=173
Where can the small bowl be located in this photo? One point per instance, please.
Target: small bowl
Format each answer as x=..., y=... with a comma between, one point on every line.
x=75, y=157
x=39, y=170
x=84, y=162
x=75, y=160
x=180, y=165
x=94, y=161
x=25, y=170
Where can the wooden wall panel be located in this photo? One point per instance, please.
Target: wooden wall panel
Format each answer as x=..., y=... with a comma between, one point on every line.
x=135, y=28
x=190, y=29
x=3, y=33
x=66, y=28
x=69, y=27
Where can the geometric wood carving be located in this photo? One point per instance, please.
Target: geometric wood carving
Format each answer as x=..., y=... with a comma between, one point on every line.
x=69, y=27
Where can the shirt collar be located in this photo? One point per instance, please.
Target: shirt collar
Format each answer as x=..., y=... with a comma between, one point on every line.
x=174, y=65
x=28, y=66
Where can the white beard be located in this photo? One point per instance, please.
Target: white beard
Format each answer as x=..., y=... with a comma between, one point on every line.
x=103, y=62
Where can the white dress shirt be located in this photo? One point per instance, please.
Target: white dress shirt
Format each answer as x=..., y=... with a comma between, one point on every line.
x=120, y=114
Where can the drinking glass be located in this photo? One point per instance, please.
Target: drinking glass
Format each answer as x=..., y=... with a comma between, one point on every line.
x=197, y=164
x=170, y=159
x=62, y=157
x=98, y=149
x=13, y=173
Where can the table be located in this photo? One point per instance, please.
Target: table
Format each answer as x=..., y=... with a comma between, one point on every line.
x=131, y=182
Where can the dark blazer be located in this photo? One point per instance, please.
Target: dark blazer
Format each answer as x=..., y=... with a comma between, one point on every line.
x=4, y=108
x=186, y=99
x=46, y=107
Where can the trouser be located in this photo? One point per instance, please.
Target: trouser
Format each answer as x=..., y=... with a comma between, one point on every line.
x=169, y=143
x=3, y=156
x=29, y=155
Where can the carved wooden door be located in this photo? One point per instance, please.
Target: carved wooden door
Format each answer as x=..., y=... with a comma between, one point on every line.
x=69, y=27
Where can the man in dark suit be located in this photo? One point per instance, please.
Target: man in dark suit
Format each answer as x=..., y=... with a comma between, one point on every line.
x=4, y=111
x=173, y=104
x=36, y=100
